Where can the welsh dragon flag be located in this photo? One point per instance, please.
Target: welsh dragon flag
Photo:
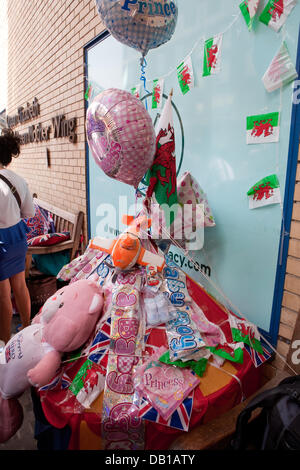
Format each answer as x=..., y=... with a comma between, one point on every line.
x=157, y=93
x=161, y=178
x=185, y=75
x=249, y=9
x=263, y=128
x=264, y=192
x=276, y=12
x=136, y=91
x=281, y=71
x=212, y=56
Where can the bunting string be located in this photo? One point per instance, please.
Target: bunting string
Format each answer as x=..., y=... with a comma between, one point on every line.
x=200, y=41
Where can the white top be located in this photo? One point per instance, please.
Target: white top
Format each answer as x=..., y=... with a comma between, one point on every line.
x=10, y=213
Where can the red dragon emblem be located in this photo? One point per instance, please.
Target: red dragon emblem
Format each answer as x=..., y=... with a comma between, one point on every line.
x=90, y=380
x=165, y=157
x=212, y=56
x=262, y=127
x=263, y=192
x=186, y=76
x=246, y=330
x=276, y=10
x=157, y=94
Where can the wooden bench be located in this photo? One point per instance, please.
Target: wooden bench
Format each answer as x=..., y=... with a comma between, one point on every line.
x=217, y=433
x=64, y=222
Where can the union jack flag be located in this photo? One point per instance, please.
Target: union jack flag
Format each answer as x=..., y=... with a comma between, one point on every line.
x=259, y=358
x=180, y=419
x=98, y=351
x=63, y=379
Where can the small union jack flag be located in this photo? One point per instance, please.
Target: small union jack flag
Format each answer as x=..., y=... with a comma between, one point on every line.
x=256, y=357
x=180, y=419
x=51, y=384
x=63, y=379
x=99, y=348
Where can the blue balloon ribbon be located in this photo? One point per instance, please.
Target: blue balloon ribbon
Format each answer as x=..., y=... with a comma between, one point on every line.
x=143, y=77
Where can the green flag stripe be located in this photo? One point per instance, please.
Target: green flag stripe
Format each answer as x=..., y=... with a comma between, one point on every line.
x=198, y=367
x=78, y=381
x=266, y=14
x=206, y=69
x=263, y=117
x=154, y=102
x=87, y=93
x=246, y=14
x=238, y=354
x=254, y=343
x=184, y=86
x=272, y=180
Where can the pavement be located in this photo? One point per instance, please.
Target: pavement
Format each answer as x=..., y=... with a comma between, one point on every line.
x=24, y=438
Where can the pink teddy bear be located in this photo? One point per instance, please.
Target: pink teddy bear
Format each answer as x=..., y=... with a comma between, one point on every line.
x=33, y=356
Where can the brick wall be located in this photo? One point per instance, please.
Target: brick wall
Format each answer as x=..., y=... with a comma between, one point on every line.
x=46, y=61
x=291, y=294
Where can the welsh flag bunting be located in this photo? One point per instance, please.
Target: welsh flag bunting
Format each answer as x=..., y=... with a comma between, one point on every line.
x=88, y=92
x=185, y=75
x=249, y=9
x=92, y=91
x=281, y=71
x=136, y=91
x=232, y=352
x=245, y=332
x=264, y=192
x=276, y=12
x=161, y=178
x=157, y=93
x=263, y=128
x=212, y=56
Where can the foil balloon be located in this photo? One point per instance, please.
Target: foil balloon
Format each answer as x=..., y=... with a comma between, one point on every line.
x=120, y=135
x=141, y=25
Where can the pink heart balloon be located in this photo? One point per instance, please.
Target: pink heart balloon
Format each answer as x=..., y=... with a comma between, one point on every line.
x=121, y=135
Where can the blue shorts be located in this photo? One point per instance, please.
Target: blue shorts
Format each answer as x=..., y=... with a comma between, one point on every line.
x=13, y=248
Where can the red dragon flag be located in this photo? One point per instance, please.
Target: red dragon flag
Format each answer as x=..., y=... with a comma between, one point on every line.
x=263, y=128
x=249, y=10
x=185, y=75
x=157, y=93
x=276, y=12
x=136, y=91
x=161, y=177
x=212, y=56
x=281, y=71
x=266, y=191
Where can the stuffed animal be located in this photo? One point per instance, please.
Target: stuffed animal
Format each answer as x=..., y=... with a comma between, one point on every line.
x=33, y=355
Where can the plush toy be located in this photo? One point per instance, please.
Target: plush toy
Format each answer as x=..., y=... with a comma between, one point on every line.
x=127, y=250
x=33, y=355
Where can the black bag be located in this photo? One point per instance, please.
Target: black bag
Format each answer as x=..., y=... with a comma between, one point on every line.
x=279, y=420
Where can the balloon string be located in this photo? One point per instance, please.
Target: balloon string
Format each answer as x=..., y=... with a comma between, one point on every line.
x=143, y=78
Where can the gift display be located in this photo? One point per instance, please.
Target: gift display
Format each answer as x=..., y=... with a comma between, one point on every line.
x=146, y=370
x=133, y=351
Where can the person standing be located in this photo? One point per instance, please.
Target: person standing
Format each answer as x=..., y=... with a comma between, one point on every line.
x=15, y=204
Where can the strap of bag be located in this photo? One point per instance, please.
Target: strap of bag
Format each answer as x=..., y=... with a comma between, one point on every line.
x=13, y=189
x=265, y=399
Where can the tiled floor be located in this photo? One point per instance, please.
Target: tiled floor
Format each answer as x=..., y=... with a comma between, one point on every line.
x=24, y=438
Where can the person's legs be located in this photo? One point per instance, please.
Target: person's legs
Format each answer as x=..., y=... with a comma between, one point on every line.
x=22, y=297
x=6, y=310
